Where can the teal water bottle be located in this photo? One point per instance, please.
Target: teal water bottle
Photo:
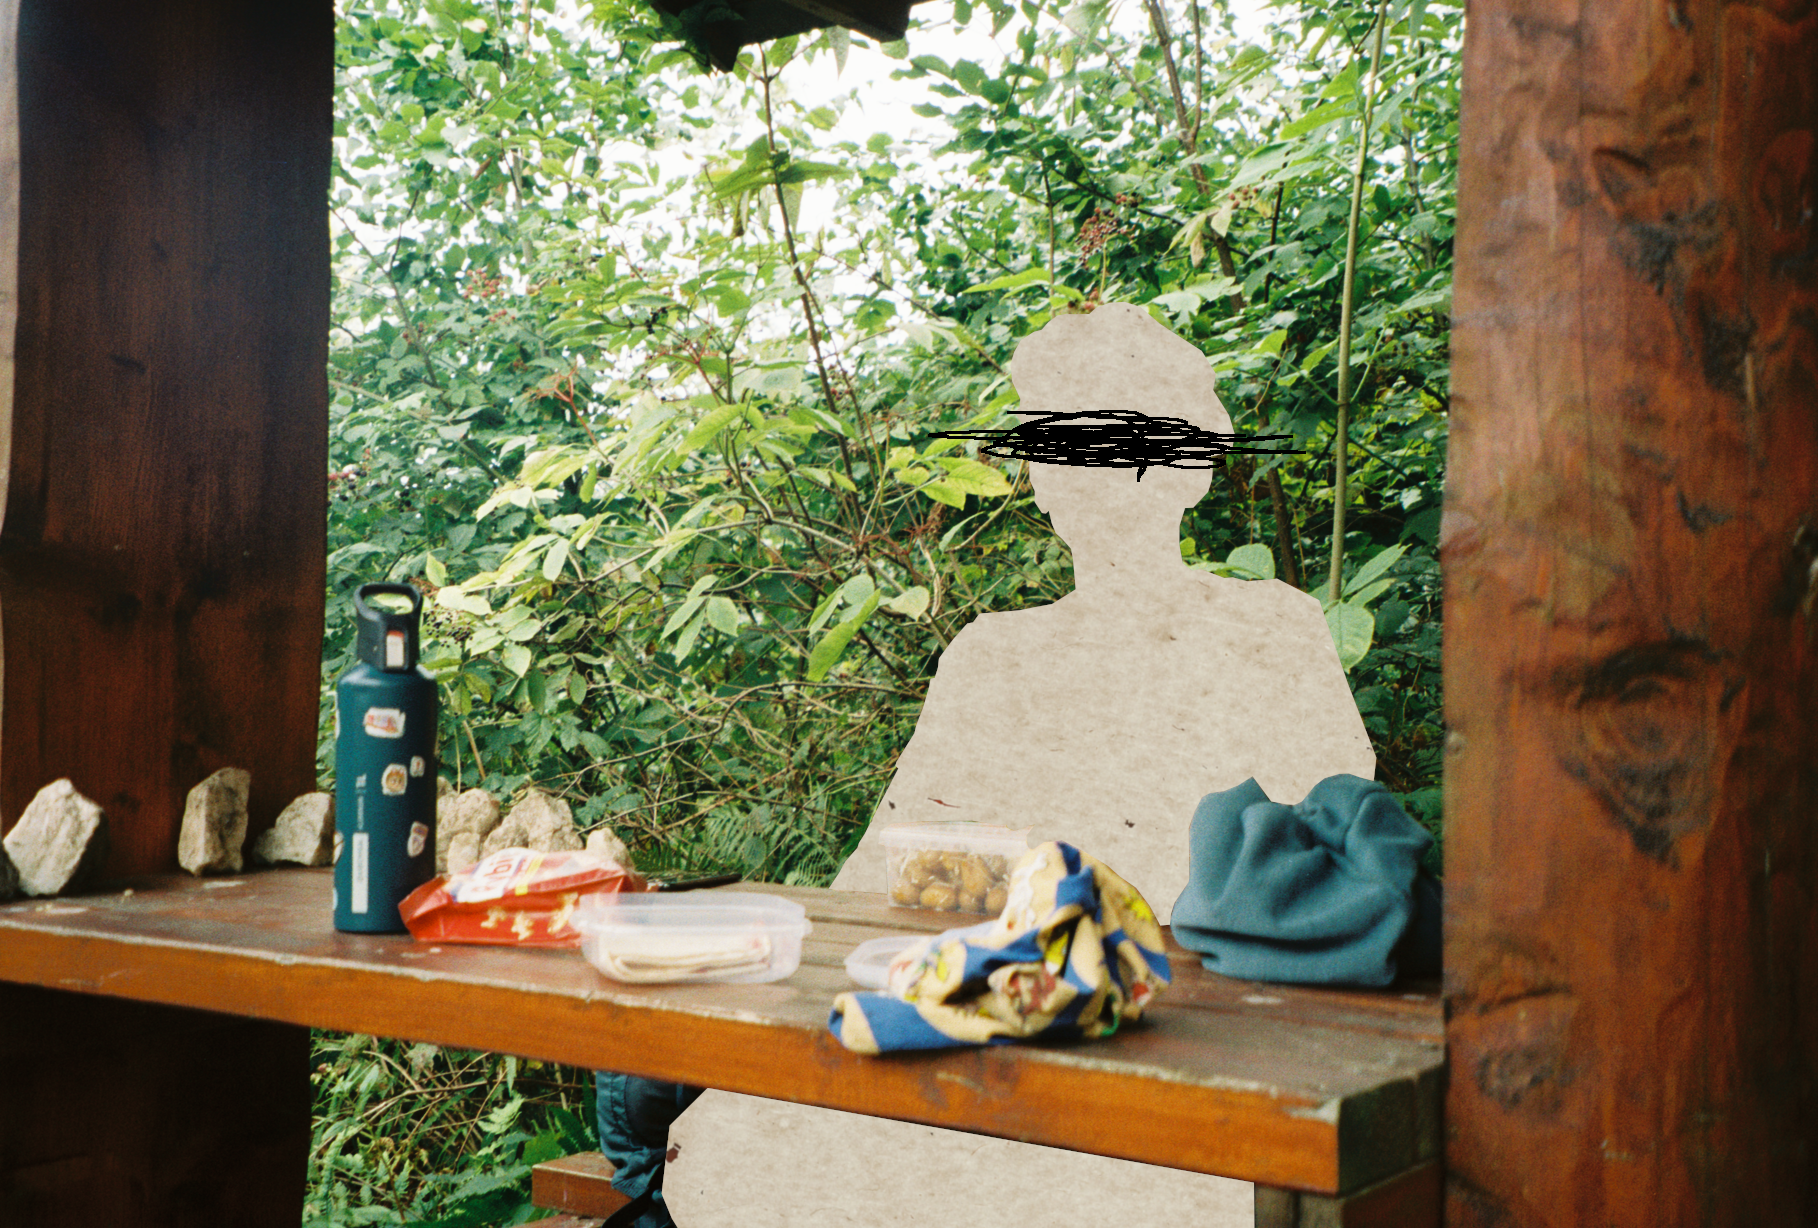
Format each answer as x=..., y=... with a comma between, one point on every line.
x=385, y=767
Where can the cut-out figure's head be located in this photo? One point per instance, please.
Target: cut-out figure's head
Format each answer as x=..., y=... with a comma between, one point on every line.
x=1117, y=358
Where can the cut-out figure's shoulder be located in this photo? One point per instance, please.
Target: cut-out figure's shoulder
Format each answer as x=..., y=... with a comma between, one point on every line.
x=1102, y=719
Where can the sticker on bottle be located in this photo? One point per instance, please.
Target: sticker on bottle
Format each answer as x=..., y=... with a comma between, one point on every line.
x=416, y=765
x=384, y=722
x=359, y=874
x=395, y=780
x=419, y=838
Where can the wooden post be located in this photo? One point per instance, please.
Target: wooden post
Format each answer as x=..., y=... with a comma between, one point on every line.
x=163, y=460
x=1631, y=546
x=163, y=415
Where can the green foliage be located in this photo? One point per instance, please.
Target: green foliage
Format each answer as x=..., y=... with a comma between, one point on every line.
x=668, y=467
x=637, y=373
x=433, y=1138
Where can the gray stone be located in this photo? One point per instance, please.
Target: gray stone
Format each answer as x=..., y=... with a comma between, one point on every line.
x=9, y=877
x=304, y=834
x=538, y=821
x=59, y=842
x=463, y=821
x=604, y=843
x=547, y=822
x=510, y=834
x=214, y=824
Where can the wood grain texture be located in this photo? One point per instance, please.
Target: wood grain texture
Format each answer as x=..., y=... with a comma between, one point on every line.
x=163, y=459
x=1413, y=1199
x=1631, y=555
x=578, y=1184
x=1208, y=1083
x=130, y=1115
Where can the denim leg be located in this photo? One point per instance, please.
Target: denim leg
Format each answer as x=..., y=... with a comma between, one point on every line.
x=634, y=1116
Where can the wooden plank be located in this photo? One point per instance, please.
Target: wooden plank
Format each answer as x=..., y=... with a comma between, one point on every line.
x=163, y=333
x=1412, y=1010
x=1631, y=594
x=163, y=459
x=578, y=1184
x=1271, y=1098
x=125, y=1114
x=1413, y=1199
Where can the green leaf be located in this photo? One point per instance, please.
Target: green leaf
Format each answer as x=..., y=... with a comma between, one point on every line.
x=1353, y=629
x=1370, y=592
x=453, y=597
x=1318, y=117
x=722, y=615
x=1011, y=281
x=555, y=560
x=944, y=492
x=1254, y=560
x=434, y=570
x=709, y=427
x=1366, y=574
x=827, y=653
x=691, y=603
x=910, y=603
x=974, y=477
x=516, y=658
x=684, y=643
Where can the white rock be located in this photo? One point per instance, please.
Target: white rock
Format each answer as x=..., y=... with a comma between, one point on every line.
x=538, y=821
x=214, y=824
x=9, y=877
x=304, y=834
x=59, y=841
x=605, y=843
x=507, y=835
x=548, y=822
x=463, y=821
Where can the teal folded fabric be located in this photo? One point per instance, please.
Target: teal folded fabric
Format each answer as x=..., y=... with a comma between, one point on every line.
x=1327, y=891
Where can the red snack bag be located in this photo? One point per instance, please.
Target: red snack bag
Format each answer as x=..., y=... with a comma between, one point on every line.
x=514, y=897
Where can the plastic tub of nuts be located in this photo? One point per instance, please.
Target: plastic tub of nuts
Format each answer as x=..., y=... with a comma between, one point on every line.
x=958, y=867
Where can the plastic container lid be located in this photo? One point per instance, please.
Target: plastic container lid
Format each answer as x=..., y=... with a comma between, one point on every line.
x=869, y=963
x=960, y=835
x=729, y=937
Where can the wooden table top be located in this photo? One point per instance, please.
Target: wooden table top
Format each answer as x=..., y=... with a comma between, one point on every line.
x=1316, y=1090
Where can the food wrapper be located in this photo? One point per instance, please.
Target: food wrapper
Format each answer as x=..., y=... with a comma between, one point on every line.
x=514, y=897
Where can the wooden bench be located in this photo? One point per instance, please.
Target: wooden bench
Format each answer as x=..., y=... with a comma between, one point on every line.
x=1328, y=1100
x=580, y=1188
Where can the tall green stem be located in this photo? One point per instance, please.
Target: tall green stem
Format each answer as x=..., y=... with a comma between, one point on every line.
x=1341, y=439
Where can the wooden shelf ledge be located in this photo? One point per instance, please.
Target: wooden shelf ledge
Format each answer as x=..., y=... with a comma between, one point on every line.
x=1301, y=1089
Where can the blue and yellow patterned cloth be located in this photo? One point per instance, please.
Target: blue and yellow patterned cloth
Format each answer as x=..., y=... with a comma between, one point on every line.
x=1076, y=952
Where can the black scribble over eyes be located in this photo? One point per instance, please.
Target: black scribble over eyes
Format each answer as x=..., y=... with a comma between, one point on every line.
x=1117, y=439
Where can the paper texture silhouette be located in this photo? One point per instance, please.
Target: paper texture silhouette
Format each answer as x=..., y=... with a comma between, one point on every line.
x=1100, y=719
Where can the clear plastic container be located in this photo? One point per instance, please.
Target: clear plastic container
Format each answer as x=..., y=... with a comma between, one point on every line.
x=730, y=937
x=956, y=867
x=869, y=963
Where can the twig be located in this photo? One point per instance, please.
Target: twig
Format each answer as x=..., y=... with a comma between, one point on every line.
x=1342, y=432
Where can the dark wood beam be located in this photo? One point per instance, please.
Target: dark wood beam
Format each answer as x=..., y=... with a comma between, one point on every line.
x=760, y=21
x=1631, y=553
x=163, y=440
x=163, y=458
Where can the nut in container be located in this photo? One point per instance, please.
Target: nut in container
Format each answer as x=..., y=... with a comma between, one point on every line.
x=957, y=867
